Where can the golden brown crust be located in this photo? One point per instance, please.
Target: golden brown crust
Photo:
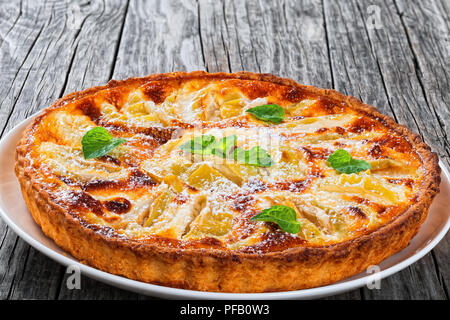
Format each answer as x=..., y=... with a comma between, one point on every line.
x=227, y=271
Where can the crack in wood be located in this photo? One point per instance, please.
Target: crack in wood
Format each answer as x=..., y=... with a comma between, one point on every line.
x=116, y=50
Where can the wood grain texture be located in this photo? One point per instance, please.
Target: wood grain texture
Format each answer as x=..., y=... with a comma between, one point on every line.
x=23, y=43
x=382, y=74
x=430, y=45
x=402, y=67
x=65, y=55
x=159, y=36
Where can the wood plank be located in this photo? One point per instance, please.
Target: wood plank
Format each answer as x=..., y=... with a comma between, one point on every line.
x=350, y=295
x=34, y=276
x=94, y=290
x=430, y=46
x=159, y=36
x=286, y=38
x=18, y=37
x=20, y=27
x=418, y=282
x=20, y=51
x=63, y=58
x=214, y=37
x=98, y=43
x=377, y=66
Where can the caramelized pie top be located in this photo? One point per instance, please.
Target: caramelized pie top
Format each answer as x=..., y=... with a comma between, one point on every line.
x=151, y=191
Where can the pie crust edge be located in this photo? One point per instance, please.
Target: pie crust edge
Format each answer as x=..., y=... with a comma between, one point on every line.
x=216, y=270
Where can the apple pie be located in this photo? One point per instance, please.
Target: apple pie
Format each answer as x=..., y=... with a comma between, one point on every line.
x=228, y=182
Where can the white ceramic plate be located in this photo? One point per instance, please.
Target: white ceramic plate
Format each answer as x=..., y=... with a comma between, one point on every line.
x=15, y=213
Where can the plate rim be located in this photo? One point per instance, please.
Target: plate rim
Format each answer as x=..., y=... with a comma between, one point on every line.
x=169, y=292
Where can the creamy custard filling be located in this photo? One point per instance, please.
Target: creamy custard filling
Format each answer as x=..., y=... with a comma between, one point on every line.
x=149, y=187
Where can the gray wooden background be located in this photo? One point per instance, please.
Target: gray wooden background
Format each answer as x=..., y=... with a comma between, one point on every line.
x=394, y=54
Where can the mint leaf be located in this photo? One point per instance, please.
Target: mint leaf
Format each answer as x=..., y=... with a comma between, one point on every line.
x=268, y=112
x=339, y=157
x=284, y=216
x=240, y=155
x=97, y=142
x=343, y=162
x=256, y=156
x=198, y=145
x=224, y=146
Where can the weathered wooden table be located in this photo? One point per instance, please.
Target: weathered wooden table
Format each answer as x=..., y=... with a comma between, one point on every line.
x=394, y=54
